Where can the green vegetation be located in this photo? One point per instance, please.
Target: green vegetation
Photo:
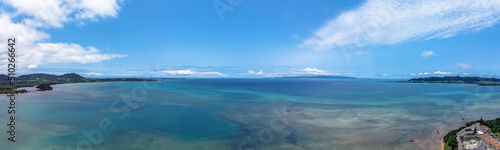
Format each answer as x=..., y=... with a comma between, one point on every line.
x=450, y=140
x=43, y=81
x=44, y=87
x=456, y=80
x=472, y=138
x=494, y=124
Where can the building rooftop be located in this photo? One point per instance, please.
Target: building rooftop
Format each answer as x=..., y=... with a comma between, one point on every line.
x=483, y=128
x=495, y=144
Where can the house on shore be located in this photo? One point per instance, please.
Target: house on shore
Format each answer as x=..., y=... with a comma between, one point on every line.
x=468, y=133
x=484, y=129
x=471, y=145
x=490, y=142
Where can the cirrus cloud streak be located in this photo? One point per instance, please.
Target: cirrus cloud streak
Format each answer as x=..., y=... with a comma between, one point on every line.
x=388, y=22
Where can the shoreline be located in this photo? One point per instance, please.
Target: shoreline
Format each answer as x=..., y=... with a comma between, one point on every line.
x=452, y=127
x=474, y=84
x=67, y=83
x=442, y=143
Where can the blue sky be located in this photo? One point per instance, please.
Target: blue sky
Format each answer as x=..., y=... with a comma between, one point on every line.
x=374, y=38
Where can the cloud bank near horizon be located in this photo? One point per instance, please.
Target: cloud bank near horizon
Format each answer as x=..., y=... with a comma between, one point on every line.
x=189, y=72
x=388, y=22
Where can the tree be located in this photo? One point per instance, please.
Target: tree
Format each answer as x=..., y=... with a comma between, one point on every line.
x=44, y=87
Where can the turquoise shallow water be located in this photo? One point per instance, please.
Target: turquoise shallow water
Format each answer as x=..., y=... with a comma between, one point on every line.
x=188, y=122
x=226, y=113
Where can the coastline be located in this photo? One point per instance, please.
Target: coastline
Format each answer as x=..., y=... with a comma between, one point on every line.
x=448, y=129
x=23, y=87
x=479, y=81
x=442, y=143
x=474, y=84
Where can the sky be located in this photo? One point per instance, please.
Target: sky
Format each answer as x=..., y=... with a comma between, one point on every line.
x=253, y=39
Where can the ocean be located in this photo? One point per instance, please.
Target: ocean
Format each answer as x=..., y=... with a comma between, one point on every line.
x=205, y=114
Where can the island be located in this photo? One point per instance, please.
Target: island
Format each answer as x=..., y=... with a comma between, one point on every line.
x=479, y=134
x=44, y=87
x=455, y=80
x=43, y=81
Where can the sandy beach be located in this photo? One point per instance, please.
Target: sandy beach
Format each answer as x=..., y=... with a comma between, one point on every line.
x=442, y=143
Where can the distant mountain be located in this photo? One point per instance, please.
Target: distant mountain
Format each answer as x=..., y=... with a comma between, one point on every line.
x=319, y=77
x=3, y=77
x=457, y=80
x=72, y=75
x=49, y=78
x=37, y=76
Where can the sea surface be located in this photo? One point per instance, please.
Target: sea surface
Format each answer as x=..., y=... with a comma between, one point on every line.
x=205, y=114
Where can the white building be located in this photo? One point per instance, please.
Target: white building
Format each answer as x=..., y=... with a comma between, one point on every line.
x=471, y=145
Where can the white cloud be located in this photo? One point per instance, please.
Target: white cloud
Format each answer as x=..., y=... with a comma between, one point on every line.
x=387, y=22
x=10, y=29
x=179, y=72
x=423, y=74
x=437, y=73
x=314, y=71
x=365, y=76
x=188, y=72
x=48, y=12
x=289, y=72
x=124, y=75
x=91, y=9
x=349, y=74
x=54, y=13
x=93, y=74
x=255, y=73
x=211, y=73
x=32, y=66
x=427, y=54
x=441, y=73
x=465, y=66
x=68, y=53
x=32, y=48
x=361, y=52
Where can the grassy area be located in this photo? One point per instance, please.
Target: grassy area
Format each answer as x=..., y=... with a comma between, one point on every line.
x=472, y=138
